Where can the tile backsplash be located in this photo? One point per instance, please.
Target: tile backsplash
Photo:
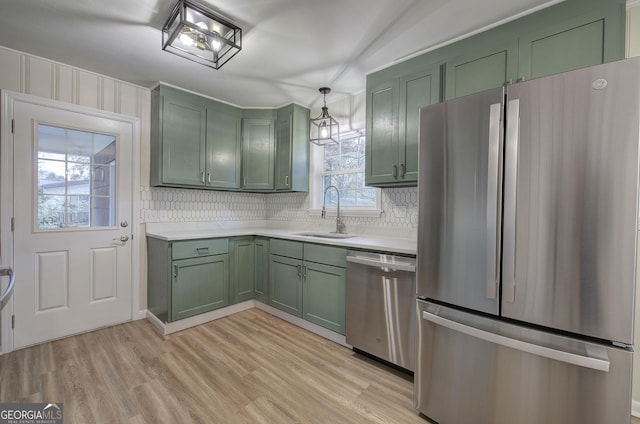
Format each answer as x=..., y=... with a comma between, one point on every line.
x=399, y=207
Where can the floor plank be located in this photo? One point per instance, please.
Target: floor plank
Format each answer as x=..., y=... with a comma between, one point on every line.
x=248, y=368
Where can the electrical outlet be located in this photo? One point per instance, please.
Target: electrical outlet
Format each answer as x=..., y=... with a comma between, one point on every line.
x=400, y=211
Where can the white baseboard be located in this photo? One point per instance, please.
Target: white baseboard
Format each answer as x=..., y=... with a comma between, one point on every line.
x=140, y=315
x=316, y=329
x=166, y=328
x=635, y=408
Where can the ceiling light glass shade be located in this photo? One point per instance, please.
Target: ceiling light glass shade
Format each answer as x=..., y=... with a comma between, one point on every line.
x=199, y=34
x=324, y=129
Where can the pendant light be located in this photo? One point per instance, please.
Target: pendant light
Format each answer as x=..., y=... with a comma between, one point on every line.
x=324, y=129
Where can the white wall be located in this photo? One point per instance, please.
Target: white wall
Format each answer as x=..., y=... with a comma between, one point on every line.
x=40, y=77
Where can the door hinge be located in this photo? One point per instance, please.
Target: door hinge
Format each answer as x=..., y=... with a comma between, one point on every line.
x=13, y=322
x=13, y=126
x=13, y=224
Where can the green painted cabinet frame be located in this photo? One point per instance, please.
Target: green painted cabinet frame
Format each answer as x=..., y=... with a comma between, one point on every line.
x=195, y=142
x=186, y=278
x=258, y=154
x=292, y=149
x=199, y=285
x=566, y=36
x=393, y=111
x=309, y=281
x=242, y=268
x=261, y=269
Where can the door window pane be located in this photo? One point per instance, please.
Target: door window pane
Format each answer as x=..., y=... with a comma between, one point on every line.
x=76, y=182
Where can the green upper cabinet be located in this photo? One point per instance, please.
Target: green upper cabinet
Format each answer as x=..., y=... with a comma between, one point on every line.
x=559, y=48
x=195, y=141
x=393, y=110
x=258, y=153
x=481, y=68
x=292, y=149
x=569, y=35
x=178, y=138
x=224, y=131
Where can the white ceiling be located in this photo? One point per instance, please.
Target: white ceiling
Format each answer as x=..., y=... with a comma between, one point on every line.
x=290, y=47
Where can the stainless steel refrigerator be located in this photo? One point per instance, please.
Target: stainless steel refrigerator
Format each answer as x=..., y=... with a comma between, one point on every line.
x=528, y=203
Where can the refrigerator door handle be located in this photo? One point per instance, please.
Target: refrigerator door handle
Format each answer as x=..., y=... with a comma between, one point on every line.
x=510, y=183
x=492, y=199
x=593, y=360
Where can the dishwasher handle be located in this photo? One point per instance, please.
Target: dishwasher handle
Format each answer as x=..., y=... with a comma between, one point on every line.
x=381, y=264
x=4, y=297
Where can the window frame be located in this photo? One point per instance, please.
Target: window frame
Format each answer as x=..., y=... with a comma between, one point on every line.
x=316, y=174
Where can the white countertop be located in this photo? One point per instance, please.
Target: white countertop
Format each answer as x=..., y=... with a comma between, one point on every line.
x=387, y=239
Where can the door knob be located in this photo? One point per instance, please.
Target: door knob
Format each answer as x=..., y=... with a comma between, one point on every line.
x=124, y=224
x=122, y=238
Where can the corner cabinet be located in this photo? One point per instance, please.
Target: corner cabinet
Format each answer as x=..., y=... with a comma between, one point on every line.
x=309, y=281
x=261, y=269
x=242, y=268
x=187, y=278
x=195, y=142
x=292, y=149
x=258, y=153
x=393, y=112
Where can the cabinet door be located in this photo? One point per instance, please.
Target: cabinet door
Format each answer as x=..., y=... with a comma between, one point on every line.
x=382, y=135
x=416, y=90
x=283, y=151
x=285, y=284
x=572, y=45
x=223, y=149
x=324, y=295
x=261, y=269
x=481, y=69
x=242, y=269
x=183, y=141
x=199, y=285
x=257, y=154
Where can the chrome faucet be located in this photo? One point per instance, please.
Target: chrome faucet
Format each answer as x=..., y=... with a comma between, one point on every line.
x=340, y=226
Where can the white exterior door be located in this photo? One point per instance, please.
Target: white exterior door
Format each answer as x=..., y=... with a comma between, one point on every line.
x=72, y=210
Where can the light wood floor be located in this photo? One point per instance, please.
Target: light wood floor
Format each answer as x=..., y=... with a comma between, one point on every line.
x=247, y=368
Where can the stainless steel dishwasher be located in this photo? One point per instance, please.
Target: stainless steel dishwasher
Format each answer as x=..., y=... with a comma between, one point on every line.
x=380, y=303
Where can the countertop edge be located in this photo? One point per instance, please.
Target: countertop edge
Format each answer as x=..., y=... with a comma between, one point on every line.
x=375, y=243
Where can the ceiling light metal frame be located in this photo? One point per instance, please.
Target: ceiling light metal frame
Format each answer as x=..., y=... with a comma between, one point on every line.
x=324, y=129
x=180, y=22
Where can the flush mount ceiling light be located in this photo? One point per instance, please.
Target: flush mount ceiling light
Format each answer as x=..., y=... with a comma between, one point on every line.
x=199, y=34
x=324, y=129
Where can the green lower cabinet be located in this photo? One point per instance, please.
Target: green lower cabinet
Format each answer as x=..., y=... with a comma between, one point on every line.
x=323, y=291
x=285, y=284
x=199, y=285
x=261, y=269
x=242, y=269
x=308, y=280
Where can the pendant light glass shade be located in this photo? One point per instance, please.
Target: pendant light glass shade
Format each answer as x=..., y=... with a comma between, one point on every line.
x=324, y=129
x=199, y=34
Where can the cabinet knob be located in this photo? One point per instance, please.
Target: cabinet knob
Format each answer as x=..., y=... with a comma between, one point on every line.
x=286, y=180
x=202, y=177
x=402, y=170
x=395, y=171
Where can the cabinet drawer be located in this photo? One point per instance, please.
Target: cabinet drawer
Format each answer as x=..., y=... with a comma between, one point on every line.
x=290, y=249
x=196, y=248
x=329, y=255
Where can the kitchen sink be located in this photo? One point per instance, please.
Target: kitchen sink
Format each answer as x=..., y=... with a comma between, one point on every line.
x=326, y=235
